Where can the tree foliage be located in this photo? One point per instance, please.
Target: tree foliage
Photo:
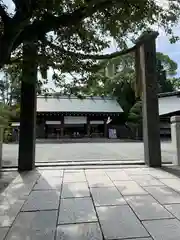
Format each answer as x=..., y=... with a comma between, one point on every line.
x=175, y=81
x=117, y=78
x=68, y=33
x=135, y=114
x=167, y=64
x=166, y=69
x=10, y=84
x=134, y=118
x=6, y=114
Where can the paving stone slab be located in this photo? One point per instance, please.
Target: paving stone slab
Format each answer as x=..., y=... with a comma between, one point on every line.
x=142, y=177
x=118, y=175
x=99, y=181
x=18, y=191
x=174, y=209
x=3, y=186
x=74, y=177
x=97, y=175
x=92, y=172
x=41, y=168
x=76, y=210
x=9, y=175
x=52, y=173
x=129, y=188
x=72, y=190
x=82, y=231
x=119, y=222
x=162, y=174
x=116, y=169
x=50, y=183
x=172, y=183
x=6, y=178
x=140, y=239
x=27, y=177
x=168, y=229
x=138, y=171
x=146, y=183
x=3, y=232
x=42, y=200
x=73, y=171
x=146, y=207
x=107, y=196
x=164, y=194
x=146, y=180
x=9, y=210
x=34, y=226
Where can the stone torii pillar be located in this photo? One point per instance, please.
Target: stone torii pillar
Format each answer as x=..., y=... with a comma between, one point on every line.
x=146, y=57
x=26, y=158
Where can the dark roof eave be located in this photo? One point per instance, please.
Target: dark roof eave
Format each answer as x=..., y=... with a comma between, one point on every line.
x=169, y=94
x=75, y=97
x=81, y=112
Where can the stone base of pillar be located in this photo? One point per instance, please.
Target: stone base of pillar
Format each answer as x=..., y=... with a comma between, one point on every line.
x=175, y=137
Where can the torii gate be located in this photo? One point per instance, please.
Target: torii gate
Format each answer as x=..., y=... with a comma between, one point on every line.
x=145, y=57
x=146, y=73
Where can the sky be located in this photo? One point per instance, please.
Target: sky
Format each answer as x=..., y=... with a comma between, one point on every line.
x=162, y=44
x=173, y=50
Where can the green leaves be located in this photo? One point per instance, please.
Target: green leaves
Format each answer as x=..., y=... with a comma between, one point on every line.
x=135, y=114
x=167, y=63
x=68, y=33
x=81, y=26
x=5, y=115
x=175, y=81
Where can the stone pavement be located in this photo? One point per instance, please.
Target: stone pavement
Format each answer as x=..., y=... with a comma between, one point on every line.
x=67, y=153
x=136, y=203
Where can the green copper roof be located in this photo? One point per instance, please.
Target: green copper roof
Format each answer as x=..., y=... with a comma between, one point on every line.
x=74, y=104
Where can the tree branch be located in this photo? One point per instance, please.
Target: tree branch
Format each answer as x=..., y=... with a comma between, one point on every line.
x=50, y=22
x=22, y=5
x=37, y=30
x=91, y=56
x=4, y=16
x=18, y=3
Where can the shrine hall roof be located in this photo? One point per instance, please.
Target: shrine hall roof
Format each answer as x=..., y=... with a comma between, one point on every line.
x=169, y=103
x=74, y=104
